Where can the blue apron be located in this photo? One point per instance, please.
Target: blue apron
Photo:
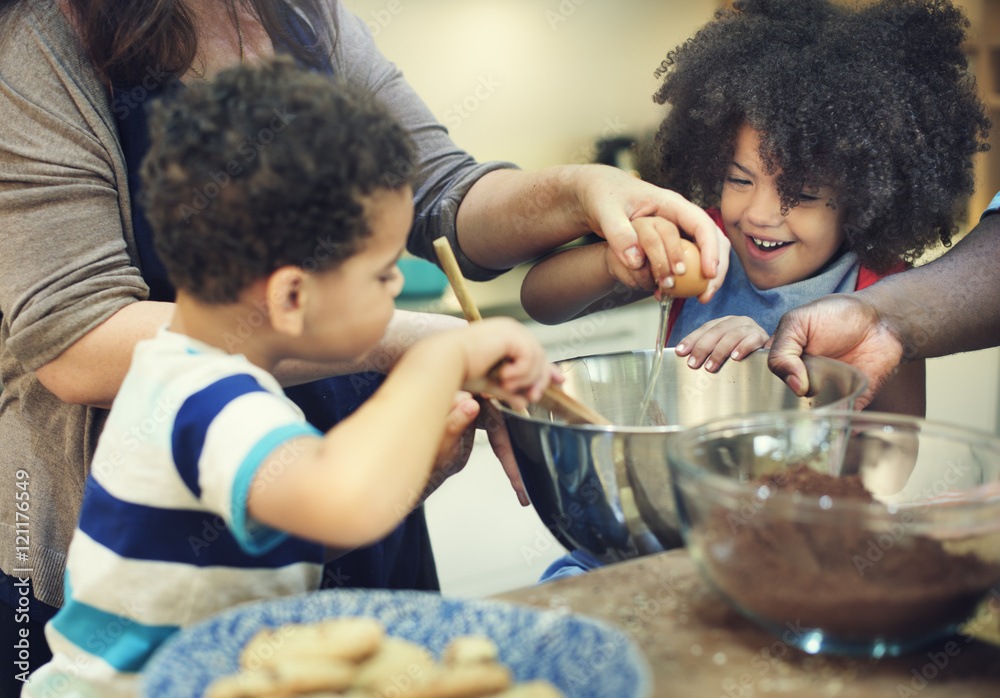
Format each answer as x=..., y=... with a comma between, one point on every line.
x=738, y=296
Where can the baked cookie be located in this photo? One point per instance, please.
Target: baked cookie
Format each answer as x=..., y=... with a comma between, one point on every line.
x=340, y=639
x=470, y=649
x=290, y=678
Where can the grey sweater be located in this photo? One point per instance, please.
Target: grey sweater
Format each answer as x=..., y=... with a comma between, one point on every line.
x=68, y=259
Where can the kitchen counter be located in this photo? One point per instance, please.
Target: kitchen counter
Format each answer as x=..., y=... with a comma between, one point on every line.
x=698, y=647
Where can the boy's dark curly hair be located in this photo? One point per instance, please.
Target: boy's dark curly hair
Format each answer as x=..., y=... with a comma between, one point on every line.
x=264, y=167
x=875, y=101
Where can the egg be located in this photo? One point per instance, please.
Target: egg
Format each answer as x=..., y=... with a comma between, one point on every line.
x=692, y=282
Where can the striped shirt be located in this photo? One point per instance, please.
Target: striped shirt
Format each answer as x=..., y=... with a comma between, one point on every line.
x=164, y=539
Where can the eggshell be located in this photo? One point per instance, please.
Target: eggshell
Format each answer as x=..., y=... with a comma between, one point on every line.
x=692, y=282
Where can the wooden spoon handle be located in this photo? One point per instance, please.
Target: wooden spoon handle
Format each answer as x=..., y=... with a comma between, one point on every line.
x=553, y=398
x=450, y=265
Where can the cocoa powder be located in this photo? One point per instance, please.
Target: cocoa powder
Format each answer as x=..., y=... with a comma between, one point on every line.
x=833, y=573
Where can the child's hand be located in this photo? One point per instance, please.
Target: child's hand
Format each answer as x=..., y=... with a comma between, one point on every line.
x=640, y=278
x=733, y=336
x=525, y=372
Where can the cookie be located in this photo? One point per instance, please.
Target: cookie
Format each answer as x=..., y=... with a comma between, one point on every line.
x=531, y=689
x=396, y=668
x=243, y=685
x=470, y=649
x=340, y=639
x=353, y=658
x=290, y=678
x=463, y=681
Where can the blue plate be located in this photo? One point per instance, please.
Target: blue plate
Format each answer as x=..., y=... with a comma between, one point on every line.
x=583, y=657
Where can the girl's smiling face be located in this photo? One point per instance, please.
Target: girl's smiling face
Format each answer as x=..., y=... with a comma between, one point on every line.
x=776, y=249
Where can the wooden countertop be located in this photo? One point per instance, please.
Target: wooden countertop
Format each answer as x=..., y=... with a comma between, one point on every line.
x=698, y=647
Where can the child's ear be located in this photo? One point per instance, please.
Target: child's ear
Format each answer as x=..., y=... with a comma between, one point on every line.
x=286, y=300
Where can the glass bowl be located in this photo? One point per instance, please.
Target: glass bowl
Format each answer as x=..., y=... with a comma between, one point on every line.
x=842, y=532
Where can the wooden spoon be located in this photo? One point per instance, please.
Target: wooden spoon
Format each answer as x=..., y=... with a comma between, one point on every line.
x=553, y=398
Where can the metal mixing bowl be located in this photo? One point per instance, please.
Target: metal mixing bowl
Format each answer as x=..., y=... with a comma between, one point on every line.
x=606, y=490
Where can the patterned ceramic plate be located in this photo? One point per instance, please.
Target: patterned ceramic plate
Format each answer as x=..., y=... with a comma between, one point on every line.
x=583, y=657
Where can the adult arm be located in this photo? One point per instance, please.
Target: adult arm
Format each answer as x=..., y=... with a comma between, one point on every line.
x=497, y=216
x=950, y=305
x=509, y=217
x=91, y=370
x=405, y=329
x=67, y=263
x=947, y=306
x=70, y=284
x=904, y=391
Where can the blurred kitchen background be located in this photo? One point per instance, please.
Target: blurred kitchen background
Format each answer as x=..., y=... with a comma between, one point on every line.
x=547, y=82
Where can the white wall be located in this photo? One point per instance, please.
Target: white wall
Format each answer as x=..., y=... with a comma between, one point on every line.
x=963, y=389
x=534, y=82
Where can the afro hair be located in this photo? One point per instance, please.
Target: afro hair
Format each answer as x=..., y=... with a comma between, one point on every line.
x=876, y=102
x=263, y=167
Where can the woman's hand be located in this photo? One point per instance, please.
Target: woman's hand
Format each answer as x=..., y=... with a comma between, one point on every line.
x=457, y=441
x=657, y=234
x=491, y=421
x=469, y=414
x=642, y=224
x=510, y=216
x=730, y=337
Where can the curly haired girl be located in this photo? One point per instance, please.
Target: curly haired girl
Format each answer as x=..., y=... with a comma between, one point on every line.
x=833, y=146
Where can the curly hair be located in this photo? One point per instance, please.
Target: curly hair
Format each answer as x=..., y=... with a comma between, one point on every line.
x=265, y=167
x=876, y=102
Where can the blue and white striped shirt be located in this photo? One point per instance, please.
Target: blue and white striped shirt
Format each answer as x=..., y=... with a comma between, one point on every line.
x=163, y=538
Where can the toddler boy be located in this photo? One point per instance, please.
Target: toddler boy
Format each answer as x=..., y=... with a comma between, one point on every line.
x=280, y=211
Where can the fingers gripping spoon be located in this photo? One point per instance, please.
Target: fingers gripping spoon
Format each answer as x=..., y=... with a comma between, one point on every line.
x=553, y=399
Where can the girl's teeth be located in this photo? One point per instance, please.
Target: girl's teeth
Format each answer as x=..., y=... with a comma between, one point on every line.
x=767, y=244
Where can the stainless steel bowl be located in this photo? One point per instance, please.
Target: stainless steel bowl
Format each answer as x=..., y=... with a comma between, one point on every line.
x=606, y=490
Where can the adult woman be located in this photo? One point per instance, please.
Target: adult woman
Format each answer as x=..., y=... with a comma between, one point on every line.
x=79, y=283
